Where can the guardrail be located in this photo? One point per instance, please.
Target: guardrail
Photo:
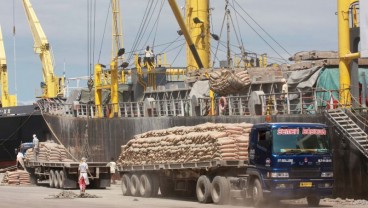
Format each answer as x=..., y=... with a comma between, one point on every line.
x=306, y=102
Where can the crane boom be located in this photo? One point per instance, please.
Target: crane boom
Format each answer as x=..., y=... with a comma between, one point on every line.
x=6, y=99
x=52, y=86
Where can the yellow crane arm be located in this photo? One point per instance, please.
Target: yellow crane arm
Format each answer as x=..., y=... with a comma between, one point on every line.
x=6, y=99
x=53, y=84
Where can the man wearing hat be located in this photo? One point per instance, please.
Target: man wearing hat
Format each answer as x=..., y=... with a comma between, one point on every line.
x=35, y=146
x=83, y=176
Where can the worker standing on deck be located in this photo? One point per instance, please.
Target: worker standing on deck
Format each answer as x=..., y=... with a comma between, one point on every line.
x=147, y=56
x=112, y=165
x=83, y=176
x=36, y=148
x=285, y=91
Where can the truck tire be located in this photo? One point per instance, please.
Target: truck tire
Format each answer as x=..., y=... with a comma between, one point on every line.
x=56, y=179
x=61, y=179
x=313, y=201
x=145, y=185
x=220, y=190
x=203, y=189
x=51, y=179
x=125, y=185
x=257, y=193
x=134, y=185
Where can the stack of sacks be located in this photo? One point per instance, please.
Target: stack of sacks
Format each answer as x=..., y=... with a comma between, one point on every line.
x=18, y=177
x=226, y=82
x=50, y=152
x=188, y=144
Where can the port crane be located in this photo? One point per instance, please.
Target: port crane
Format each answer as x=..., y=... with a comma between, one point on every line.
x=7, y=100
x=52, y=86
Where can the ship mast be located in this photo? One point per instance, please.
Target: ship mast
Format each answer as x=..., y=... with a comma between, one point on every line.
x=197, y=22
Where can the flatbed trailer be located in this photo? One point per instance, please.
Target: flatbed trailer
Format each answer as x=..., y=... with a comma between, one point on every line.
x=64, y=175
x=189, y=179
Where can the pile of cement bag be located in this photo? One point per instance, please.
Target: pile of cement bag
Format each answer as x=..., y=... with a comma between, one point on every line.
x=225, y=82
x=50, y=152
x=203, y=142
x=18, y=177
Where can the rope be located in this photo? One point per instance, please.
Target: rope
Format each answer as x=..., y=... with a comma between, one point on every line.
x=53, y=133
x=9, y=137
x=103, y=34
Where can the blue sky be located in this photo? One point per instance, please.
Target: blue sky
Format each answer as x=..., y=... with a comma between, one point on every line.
x=296, y=25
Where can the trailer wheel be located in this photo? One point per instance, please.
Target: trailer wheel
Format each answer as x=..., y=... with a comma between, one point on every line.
x=56, y=179
x=51, y=179
x=313, y=201
x=203, y=189
x=61, y=179
x=125, y=185
x=134, y=185
x=145, y=185
x=220, y=190
x=257, y=193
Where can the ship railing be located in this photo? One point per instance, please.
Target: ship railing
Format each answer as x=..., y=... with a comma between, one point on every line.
x=131, y=109
x=177, y=107
x=230, y=106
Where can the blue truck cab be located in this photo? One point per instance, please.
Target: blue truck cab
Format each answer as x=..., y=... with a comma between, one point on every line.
x=25, y=146
x=291, y=160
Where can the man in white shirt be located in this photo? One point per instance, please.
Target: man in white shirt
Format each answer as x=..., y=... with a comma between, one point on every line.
x=83, y=175
x=112, y=165
x=35, y=146
x=20, y=161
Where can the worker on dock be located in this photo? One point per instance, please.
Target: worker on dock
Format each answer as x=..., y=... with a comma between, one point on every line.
x=83, y=176
x=20, y=161
x=112, y=165
x=36, y=148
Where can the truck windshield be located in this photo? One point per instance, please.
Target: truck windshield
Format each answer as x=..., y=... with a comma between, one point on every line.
x=300, y=140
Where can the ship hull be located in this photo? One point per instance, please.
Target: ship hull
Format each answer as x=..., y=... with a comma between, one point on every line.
x=17, y=125
x=101, y=139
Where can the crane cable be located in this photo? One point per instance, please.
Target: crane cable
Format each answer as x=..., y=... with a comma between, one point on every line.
x=260, y=27
x=14, y=50
x=140, y=29
x=103, y=34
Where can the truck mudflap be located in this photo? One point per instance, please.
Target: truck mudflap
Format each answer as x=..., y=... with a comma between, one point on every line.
x=298, y=188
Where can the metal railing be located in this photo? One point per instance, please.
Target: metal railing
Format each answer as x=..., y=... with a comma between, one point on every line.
x=306, y=102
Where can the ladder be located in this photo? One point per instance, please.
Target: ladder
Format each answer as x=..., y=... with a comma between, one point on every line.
x=350, y=129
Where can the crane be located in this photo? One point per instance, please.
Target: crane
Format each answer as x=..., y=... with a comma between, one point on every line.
x=6, y=99
x=52, y=86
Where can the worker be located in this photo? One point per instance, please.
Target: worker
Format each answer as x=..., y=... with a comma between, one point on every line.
x=20, y=161
x=36, y=148
x=112, y=165
x=285, y=91
x=147, y=56
x=83, y=176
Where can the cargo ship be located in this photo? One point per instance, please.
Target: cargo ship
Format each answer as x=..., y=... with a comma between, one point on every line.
x=123, y=101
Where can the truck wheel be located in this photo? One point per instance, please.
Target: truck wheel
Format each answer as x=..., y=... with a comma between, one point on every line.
x=220, y=190
x=125, y=185
x=61, y=179
x=313, y=201
x=203, y=189
x=145, y=185
x=257, y=193
x=51, y=179
x=134, y=185
x=56, y=179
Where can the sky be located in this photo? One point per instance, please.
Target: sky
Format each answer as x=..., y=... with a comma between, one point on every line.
x=295, y=25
